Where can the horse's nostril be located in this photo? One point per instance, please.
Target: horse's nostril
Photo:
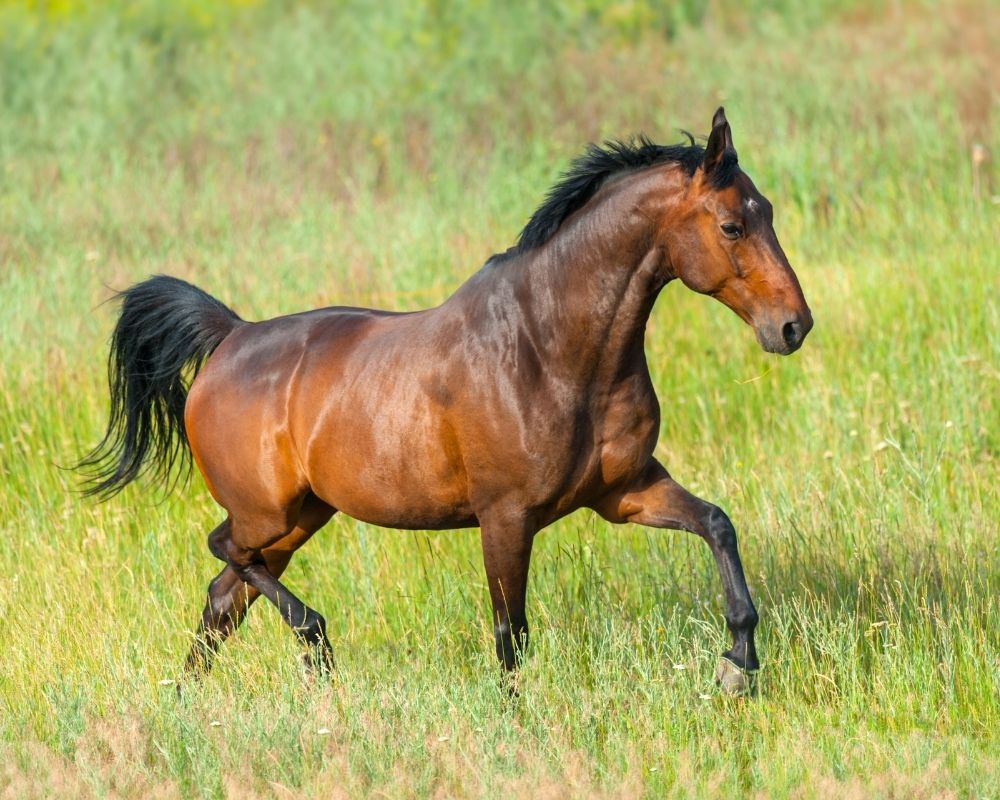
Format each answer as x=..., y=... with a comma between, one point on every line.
x=790, y=333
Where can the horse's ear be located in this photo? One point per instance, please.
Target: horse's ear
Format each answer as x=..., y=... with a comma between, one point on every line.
x=720, y=141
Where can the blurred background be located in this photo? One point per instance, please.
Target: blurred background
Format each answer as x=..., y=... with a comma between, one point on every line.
x=288, y=155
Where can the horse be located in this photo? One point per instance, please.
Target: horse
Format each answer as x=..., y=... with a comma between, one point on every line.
x=521, y=398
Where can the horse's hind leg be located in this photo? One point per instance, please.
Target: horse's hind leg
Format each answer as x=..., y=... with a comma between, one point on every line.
x=228, y=601
x=245, y=548
x=229, y=596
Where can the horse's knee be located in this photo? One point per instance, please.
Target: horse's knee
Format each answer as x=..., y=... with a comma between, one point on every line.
x=717, y=528
x=743, y=619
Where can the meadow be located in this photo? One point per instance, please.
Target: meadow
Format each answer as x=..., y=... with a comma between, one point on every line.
x=290, y=156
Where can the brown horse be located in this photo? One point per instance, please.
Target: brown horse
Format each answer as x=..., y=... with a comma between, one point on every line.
x=521, y=398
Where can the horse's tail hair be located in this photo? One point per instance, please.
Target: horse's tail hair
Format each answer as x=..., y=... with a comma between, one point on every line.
x=166, y=330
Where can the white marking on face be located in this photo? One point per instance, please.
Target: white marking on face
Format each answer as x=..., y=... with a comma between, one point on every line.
x=751, y=204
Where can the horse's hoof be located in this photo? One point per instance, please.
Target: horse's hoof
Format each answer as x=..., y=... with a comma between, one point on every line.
x=732, y=679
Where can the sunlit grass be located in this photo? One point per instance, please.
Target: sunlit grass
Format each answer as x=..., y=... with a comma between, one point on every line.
x=295, y=158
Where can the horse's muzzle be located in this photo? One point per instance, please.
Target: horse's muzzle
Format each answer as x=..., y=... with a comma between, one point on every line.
x=785, y=336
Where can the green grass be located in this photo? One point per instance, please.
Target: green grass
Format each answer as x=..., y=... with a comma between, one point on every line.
x=287, y=158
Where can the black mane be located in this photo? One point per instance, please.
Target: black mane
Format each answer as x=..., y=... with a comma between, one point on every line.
x=595, y=165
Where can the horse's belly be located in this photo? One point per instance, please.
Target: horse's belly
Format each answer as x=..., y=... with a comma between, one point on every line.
x=392, y=496
x=397, y=465
x=435, y=519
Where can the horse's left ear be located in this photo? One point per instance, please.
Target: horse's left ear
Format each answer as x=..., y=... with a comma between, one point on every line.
x=720, y=141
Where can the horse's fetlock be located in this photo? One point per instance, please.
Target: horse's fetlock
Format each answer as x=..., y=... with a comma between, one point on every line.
x=313, y=628
x=511, y=638
x=743, y=620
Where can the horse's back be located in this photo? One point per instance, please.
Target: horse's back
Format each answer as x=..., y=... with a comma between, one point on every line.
x=337, y=401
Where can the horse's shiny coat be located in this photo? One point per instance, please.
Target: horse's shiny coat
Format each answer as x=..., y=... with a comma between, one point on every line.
x=520, y=399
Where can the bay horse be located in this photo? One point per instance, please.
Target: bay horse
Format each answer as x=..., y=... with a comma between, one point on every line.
x=522, y=397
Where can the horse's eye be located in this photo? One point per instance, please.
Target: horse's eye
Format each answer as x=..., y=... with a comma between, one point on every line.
x=732, y=230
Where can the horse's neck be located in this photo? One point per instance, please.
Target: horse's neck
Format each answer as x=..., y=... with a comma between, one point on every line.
x=589, y=291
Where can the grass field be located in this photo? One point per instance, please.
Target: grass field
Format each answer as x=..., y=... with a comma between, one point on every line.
x=285, y=158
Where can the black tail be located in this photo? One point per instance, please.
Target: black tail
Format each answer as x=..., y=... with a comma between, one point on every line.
x=166, y=327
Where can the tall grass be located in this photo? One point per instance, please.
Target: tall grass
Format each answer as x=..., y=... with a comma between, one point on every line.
x=286, y=157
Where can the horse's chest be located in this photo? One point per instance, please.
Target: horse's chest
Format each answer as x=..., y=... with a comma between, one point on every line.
x=627, y=430
x=603, y=442
x=610, y=445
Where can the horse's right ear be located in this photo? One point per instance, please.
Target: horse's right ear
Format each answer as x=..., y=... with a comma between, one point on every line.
x=720, y=141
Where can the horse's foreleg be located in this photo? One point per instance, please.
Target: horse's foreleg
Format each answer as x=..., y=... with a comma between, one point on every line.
x=657, y=500
x=507, y=542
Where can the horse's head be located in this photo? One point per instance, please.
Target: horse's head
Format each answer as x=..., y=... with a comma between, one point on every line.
x=725, y=247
